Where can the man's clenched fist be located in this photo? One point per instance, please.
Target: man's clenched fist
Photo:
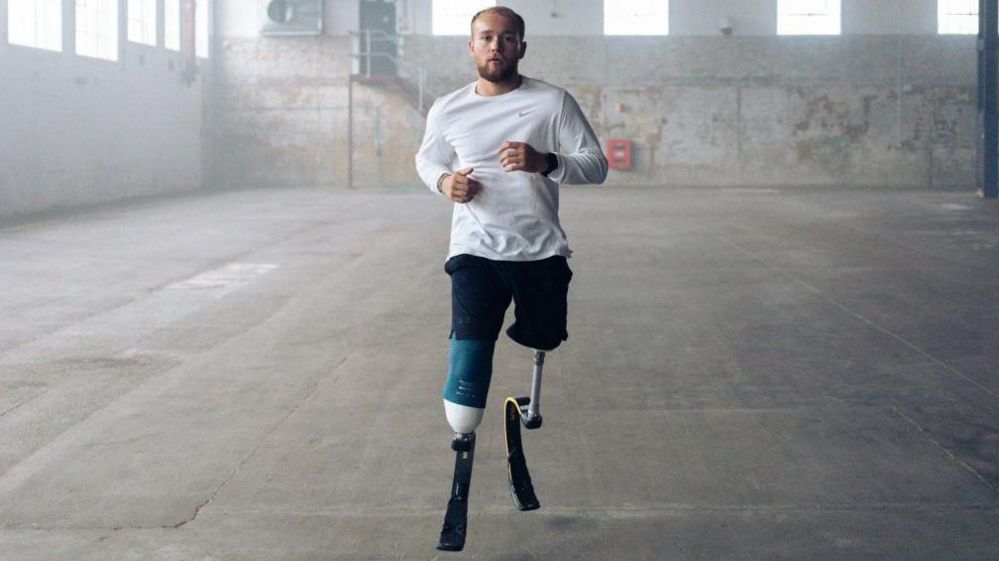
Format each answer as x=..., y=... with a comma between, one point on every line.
x=521, y=156
x=459, y=187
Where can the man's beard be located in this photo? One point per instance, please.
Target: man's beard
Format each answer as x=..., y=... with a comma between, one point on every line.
x=505, y=73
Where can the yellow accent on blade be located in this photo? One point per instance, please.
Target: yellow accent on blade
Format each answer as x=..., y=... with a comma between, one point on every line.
x=506, y=440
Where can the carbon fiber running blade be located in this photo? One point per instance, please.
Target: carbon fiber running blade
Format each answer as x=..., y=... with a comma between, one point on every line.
x=456, y=518
x=521, y=488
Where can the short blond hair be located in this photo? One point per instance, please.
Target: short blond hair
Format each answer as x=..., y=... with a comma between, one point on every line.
x=508, y=14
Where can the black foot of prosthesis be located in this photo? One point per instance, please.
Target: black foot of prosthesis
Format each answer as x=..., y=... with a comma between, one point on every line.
x=456, y=518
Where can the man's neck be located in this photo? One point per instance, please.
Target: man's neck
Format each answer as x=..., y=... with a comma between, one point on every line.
x=489, y=89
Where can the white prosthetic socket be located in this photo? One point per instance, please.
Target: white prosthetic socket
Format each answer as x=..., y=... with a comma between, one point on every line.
x=462, y=418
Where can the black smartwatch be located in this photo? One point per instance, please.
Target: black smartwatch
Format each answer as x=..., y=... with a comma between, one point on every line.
x=552, y=164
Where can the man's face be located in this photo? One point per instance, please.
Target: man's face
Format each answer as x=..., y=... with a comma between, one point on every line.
x=496, y=47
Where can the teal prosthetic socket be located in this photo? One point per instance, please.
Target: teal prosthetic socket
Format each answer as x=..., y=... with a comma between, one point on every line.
x=470, y=371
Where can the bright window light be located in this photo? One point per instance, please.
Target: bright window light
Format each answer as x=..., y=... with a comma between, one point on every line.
x=171, y=24
x=636, y=17
x=808, y=17
x=454, y=17
x=201, y=26
x=957, y=17
x=97, y=28
x=35, y=23
x=142, y=21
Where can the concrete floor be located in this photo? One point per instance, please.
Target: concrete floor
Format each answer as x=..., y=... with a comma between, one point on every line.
x=751, y=374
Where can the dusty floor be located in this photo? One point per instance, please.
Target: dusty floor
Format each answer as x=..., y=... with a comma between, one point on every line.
x=751, y=374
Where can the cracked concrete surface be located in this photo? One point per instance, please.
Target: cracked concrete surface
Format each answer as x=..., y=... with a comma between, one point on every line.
x=751, y=374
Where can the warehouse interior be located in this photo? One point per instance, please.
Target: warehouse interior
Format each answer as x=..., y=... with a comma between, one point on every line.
x=226, y=314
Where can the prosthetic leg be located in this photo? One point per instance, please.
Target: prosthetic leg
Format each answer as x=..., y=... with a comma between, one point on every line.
x=465, y=393
x=526, y=411
x=464, y=403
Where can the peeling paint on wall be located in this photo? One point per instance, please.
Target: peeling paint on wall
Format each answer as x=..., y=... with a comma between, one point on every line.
x=771, y=111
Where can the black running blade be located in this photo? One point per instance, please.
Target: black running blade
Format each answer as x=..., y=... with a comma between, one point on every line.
x=456, y=518
x=455, y=525
x=521, y=487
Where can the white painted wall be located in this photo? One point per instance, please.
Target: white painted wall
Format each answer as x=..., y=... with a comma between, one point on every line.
x=702, y=17
x=240, y=18
x=237, y=18
x=759, y=17
x=585, y=17
x=572, y=17
x=78, y=131
x=888, y=17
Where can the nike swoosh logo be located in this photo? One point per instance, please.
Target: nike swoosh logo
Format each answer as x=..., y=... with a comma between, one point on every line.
x=522, y=113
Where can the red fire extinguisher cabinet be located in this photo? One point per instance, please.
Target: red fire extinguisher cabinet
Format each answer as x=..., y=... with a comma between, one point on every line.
x=619, y=153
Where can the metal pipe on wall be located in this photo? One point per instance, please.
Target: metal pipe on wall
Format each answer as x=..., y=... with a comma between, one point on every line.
x=188, y=45
x=350, y=131
x=988, y=112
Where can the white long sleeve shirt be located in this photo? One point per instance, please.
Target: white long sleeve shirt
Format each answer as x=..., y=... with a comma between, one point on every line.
x=515, y=215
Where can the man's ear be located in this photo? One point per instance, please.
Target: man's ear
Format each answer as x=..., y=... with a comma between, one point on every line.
x=523, y=49
x=471, y=49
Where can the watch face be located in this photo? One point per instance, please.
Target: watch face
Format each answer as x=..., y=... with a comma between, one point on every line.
x=552, y=163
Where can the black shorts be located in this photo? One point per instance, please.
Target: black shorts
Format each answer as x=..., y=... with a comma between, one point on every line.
x=481, y=290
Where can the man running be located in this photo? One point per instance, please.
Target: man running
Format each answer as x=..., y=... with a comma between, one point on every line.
x=499, y=148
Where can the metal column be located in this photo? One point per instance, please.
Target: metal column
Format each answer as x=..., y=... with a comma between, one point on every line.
x=350, y=131
x=988, y=84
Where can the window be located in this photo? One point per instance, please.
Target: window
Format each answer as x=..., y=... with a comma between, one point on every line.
x=957, y=16
x=97, y=28
x=201, y=28
x=454, y=17
x=171, y=24
x=142, y=21
x=636, y=17
x=35, y=23
x=808, y=17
